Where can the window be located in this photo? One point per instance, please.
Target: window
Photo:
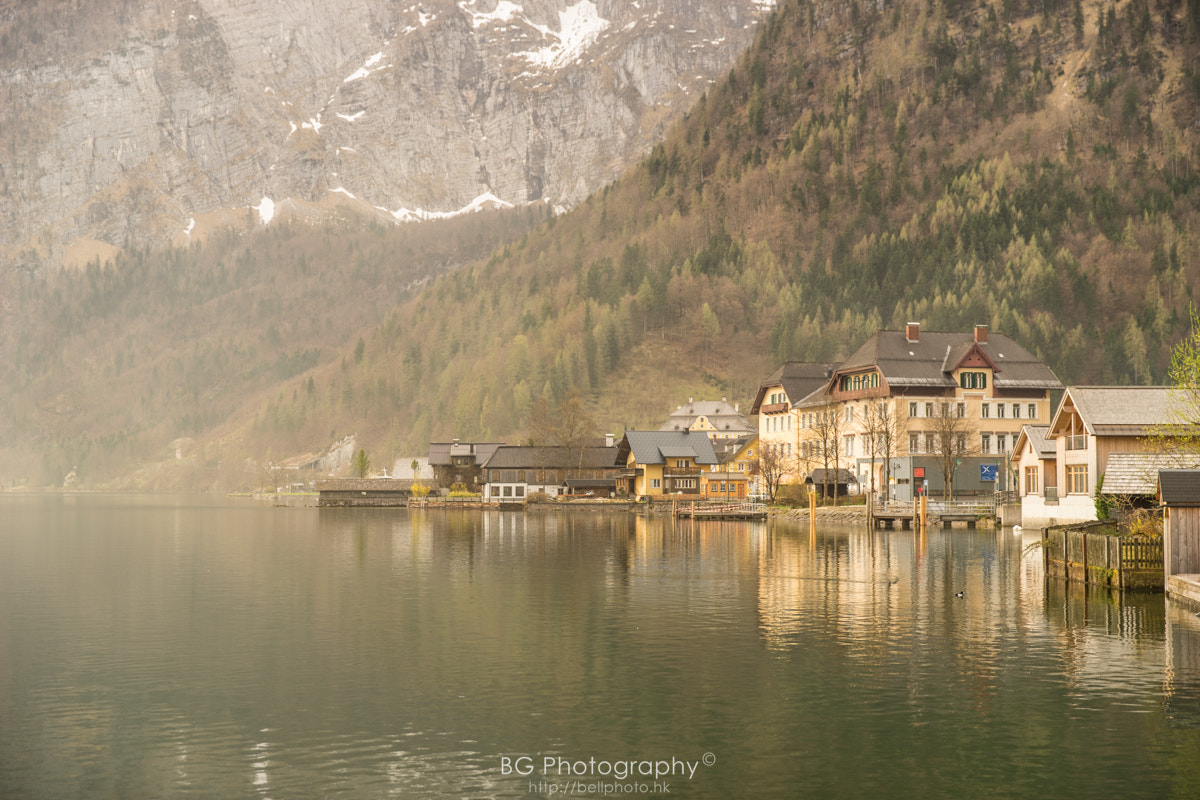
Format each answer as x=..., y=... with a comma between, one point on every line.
x=1077, y=479
x=960, y=410
x=1031, y=480
x=1016, y=410
x=507, y=491
x=914, y=443
x=985, y=410
x=972, y=380
x=985, y=443
x=848, y=446
x=912, y=409
x=929, y=409
x=960, y=444
x=521, y=476
x=999, y=410
x=655, y=483
x=680, y=463
x=1033, y=410
x=1001, y=443
x=849, y=414
x=930, y=443
x=520, y=491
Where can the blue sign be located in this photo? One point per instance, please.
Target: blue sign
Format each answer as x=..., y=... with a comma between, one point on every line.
x=989, y=472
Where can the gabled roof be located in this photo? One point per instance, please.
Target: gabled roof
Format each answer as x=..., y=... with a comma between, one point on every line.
x=551, y=457
x=1116, y=410
x=441, y=453
x=1179, y=487
x=655, y=447
x=958, y=353
x=721, y=414
x=924, y=362
x=798, y=379
x=728, y=449
x=1036, y=436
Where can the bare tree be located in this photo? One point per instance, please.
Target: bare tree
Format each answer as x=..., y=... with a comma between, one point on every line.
x=953, y=439
x=569, y=425
x=574, y=426
x=827, y=431
x=881, y=432
x=771, y=466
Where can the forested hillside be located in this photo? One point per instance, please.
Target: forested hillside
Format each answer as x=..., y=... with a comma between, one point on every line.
x=1032, y=167
x=1028, y=166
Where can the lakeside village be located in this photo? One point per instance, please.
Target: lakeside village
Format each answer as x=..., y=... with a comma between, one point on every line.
x=971, y=422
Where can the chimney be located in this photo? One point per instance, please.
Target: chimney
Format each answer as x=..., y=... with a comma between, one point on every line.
x=608, y=440
x=981, y=334
x=912, y=332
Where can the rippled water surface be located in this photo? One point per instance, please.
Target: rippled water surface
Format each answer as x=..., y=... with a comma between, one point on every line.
x=180, y=647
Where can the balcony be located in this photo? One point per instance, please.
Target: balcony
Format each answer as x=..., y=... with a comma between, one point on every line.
x=681, y=472
x=773, y=408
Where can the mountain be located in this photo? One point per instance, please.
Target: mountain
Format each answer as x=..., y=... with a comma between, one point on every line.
x=132, y=124
x=1030, y=167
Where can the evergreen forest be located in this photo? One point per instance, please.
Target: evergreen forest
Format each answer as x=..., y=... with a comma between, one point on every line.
x=1030, y=166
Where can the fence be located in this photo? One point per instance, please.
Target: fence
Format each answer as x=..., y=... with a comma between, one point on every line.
x=1085, y=554
x=984, y=506
x=722, y=510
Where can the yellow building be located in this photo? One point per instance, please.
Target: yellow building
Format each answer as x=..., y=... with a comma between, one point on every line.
x=664, y=462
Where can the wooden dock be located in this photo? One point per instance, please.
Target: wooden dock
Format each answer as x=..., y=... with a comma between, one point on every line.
x=696, y=510
x=941, y=513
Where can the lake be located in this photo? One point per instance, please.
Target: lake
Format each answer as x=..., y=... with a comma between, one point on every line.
x=162, y=646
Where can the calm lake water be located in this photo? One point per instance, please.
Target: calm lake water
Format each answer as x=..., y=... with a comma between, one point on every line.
x=182, y=647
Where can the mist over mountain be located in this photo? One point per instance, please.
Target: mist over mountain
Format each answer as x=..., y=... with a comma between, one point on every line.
x=133, y=124
x=1032, y=167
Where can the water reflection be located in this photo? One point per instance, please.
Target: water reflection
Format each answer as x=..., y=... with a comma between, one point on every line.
x=174, y=647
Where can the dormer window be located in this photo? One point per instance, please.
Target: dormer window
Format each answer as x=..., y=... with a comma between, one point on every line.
x=855, y=383
x=972, y=380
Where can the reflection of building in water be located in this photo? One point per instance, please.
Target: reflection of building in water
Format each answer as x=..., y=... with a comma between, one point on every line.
x=1181, y=683
x=1109, y=642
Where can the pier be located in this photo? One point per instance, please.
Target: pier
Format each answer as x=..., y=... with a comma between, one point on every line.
x=696, y=510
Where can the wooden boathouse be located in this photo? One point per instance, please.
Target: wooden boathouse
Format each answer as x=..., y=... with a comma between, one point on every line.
x=364, y=492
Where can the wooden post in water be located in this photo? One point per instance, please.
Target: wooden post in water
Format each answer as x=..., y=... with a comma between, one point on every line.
x=924, y=513
x=812, y=513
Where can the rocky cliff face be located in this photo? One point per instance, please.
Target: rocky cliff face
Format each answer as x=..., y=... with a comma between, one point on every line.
x=129, y=121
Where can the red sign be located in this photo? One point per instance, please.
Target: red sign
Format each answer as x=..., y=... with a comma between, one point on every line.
x=918, y=472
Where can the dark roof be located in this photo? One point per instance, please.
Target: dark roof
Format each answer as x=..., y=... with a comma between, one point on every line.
x=835, y=476
x=727, y=449
x=522, y=457
x=654, y=447
x=797, y=378
x=440, y=453
x=928, y=361
x=1179, y=487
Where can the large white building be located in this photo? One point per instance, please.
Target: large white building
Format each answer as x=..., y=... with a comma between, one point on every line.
x=885, y=411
